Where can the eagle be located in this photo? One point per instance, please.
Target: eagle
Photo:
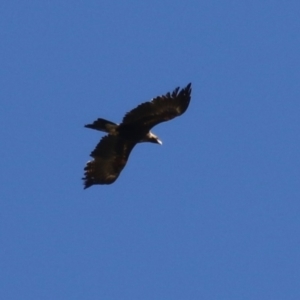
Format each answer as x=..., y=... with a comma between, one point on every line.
x=111, y=154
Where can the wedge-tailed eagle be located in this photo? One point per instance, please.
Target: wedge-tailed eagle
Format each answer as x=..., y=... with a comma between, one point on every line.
x=111, y=154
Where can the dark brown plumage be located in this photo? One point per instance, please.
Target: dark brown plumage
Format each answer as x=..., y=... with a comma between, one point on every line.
x=112, y=152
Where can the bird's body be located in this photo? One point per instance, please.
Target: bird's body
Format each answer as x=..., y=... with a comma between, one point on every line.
x=112, y=152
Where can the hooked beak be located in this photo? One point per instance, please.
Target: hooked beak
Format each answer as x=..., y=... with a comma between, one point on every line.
x=159, y=141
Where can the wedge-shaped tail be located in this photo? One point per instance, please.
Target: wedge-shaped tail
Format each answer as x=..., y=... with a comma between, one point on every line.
x=103, y=125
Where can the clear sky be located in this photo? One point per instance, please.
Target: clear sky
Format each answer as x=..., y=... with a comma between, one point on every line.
x=213, y=213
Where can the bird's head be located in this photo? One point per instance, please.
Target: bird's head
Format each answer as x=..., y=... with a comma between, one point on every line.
x=152, y=138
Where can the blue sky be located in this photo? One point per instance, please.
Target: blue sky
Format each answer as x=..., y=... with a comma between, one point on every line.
x=213, y=213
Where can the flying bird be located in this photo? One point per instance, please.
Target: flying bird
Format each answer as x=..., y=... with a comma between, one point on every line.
x=111, y=154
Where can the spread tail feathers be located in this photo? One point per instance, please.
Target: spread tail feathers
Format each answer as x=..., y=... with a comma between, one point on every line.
x=102, y=125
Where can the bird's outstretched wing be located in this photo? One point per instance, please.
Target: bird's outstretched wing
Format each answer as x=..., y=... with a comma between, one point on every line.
x=160, y=109
x=110, y=157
